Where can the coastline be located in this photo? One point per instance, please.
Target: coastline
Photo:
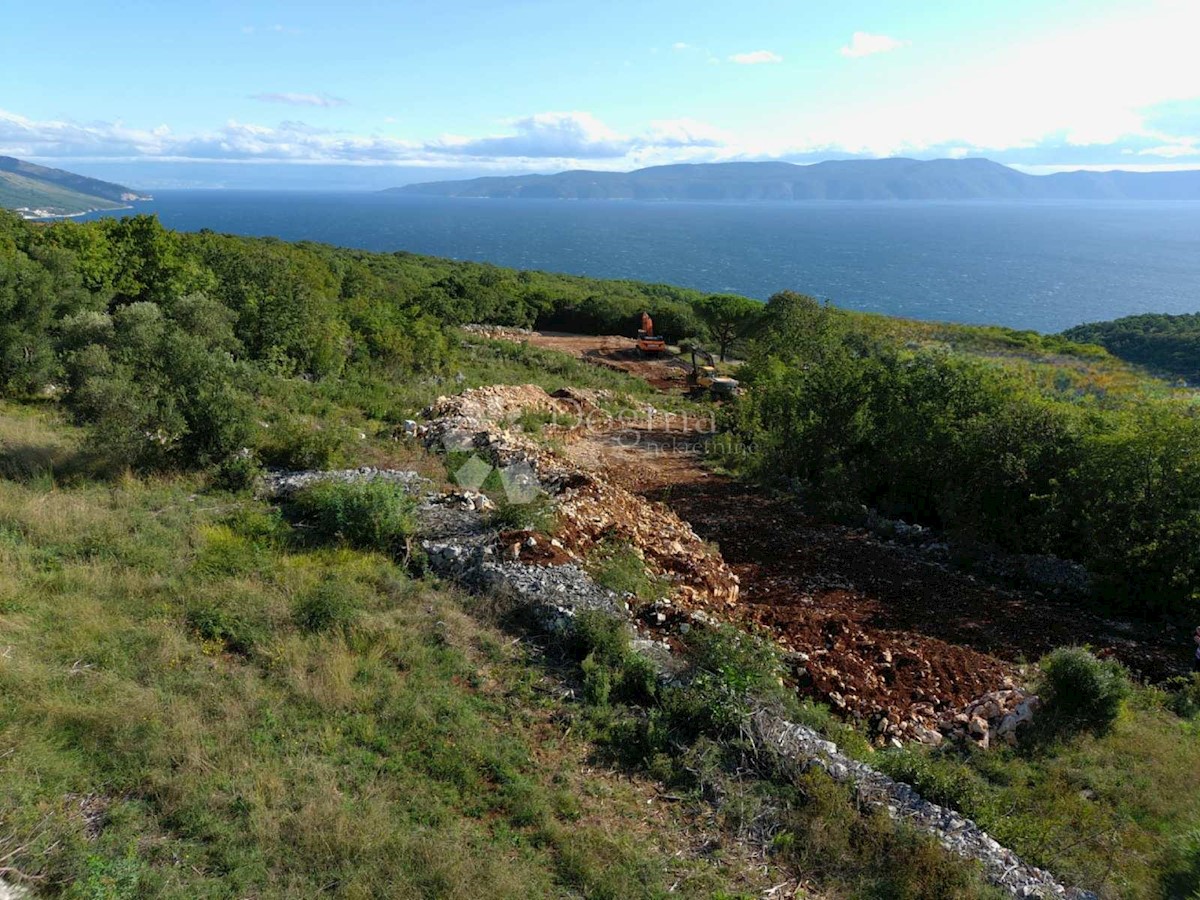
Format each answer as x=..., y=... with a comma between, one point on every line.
x=41, y=215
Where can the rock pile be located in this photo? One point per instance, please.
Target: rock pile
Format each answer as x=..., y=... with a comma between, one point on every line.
x=283, y=483
x=498, y=331
x=798, y=748
x=997, y=715
x=592, y=510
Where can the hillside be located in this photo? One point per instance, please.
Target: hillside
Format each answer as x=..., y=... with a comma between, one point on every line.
x=881, y=179
x=40, y=192
x=313, y=586
x=1167, y=344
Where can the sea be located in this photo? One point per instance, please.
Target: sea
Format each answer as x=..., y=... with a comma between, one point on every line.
x=1030, y=265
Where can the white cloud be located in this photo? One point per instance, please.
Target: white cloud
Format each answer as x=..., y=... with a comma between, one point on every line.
x=324, y=100
x=755, y=57
x=863, y=43
x=544, y=141
x=680, y=45
x=574, y=135
x=681, y=133
x=1174, y=149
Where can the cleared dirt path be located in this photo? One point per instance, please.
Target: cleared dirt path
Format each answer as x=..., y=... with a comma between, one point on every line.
x=878, y=628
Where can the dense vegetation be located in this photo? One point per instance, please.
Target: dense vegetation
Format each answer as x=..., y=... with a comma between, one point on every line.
x=1164, y=343
x=185, y=349
x=990, y=453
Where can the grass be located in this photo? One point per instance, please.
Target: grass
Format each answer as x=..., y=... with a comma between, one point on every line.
x=1103, y=811
x=193, y=704
x=620, y=568
x=196, y=703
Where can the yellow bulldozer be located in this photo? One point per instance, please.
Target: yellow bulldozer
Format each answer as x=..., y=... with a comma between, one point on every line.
x=703, y=375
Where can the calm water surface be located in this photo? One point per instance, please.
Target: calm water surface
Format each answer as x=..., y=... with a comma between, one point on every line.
x=1027, y=265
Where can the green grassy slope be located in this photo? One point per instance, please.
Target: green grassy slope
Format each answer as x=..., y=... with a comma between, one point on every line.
x=21, y=192
x=172, y=726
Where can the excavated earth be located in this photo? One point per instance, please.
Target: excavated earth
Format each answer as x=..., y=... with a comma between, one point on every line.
x=883, y=630
x=880, y=629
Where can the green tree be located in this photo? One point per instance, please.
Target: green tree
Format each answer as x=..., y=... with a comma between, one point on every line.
x=728, y=318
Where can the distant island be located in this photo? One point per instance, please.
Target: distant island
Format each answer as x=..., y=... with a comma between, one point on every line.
x=858, y=179
x=39, y=192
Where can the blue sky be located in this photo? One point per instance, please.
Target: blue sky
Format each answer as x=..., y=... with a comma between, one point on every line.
x=361, y=94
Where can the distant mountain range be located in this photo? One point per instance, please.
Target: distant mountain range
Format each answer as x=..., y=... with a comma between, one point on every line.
x=38, y=192
x=858, y=179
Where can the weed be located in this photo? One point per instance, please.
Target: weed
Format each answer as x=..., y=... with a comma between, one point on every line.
x=538, y=514
x=622, y=570
x=369, y=515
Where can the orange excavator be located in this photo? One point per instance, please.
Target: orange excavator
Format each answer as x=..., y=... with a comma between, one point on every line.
x=649, y=343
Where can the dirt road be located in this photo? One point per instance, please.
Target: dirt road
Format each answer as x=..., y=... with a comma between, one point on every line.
x=666, y=373
x=878, y=629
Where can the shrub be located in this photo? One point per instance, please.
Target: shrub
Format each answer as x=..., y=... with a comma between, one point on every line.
x=1081, y=692
x=239, y=472
x=297, y=445
x=609, y=665
x=1185, y=698
x=537, y=514
x=597, y=681
x=620, y=569
x=369, y=515
x=732, y=671
x=327, y=607
x=939, y=779
x=212, y=622
x=1181, y=877
x=867, y=855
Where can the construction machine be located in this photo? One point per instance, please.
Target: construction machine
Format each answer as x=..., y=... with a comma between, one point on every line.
x=649, y=343
x=703, y=375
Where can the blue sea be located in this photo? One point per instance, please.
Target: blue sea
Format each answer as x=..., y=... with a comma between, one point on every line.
x=1043, y=265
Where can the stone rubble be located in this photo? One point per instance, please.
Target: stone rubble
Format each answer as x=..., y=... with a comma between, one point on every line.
x=283, y=482
x=997, y=715
x=593, y=511
x=799, y=748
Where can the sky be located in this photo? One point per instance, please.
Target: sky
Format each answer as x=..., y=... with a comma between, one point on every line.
x=372, y=94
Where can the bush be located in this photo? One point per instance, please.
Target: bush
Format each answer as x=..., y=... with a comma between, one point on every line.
x=369, y=515
x=211, y=622
x=867, y=855
x=732, y=671
x=327, y=607
x=608, y=663
x=621, y=569
x=939, y=778
x=1181, y=877
x=295, y=444
x=1081, y=692
x=538, y=515
x=1185, y=697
